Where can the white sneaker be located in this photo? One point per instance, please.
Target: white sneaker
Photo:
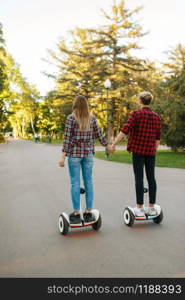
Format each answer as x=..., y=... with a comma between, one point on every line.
x=152, y=211
x=139, y=212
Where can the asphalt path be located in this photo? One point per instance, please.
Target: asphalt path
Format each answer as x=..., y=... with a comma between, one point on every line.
x=34, y=190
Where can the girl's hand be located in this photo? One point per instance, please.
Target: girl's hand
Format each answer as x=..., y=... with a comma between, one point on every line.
x=62, y=163
x=110, y=149
x=62, y=160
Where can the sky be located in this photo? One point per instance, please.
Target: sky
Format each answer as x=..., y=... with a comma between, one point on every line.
x=31, y=27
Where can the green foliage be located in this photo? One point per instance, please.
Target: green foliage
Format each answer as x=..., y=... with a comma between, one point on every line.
x=92, y=55
x=52, y=113
x=85, y=59
x=2, y=140
x=3, y=78
x=18, y=99
x=2, y=71
x=24, y=109
x=172, y=99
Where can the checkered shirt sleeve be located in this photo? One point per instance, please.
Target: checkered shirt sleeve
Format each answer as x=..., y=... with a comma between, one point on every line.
x=129, y=124
x=98, y=133
x=67, y=134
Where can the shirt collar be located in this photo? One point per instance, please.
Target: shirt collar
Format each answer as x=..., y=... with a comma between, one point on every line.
x=146, y=107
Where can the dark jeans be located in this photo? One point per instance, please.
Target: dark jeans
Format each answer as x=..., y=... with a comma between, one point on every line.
x=139, y=161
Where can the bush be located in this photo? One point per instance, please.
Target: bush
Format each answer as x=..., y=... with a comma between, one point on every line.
x=2, y=139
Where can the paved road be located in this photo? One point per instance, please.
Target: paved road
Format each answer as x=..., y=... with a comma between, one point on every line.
x=33, y=192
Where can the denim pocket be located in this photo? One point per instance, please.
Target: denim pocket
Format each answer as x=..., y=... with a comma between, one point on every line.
x=90, y=157
x=74, y=160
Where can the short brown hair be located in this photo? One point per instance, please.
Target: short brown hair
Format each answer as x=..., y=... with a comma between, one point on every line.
x=145, y=97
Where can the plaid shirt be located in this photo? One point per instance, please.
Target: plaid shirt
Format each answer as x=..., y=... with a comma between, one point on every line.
x=144, y=128
x=80, y=143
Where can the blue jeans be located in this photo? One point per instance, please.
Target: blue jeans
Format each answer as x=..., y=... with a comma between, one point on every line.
x=86, y=165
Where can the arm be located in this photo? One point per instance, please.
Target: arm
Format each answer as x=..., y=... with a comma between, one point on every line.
x=62, y=159
x=119, y=137
x=124, y=130
x=157, y=143
x=158, y=134
x=66, y=143
x=98, y=133
x=129, y=125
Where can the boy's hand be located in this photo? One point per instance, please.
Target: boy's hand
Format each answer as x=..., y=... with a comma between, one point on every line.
x=113, y=147
x=110, y=149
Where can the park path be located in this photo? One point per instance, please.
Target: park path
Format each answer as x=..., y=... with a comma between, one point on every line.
x=34, y=191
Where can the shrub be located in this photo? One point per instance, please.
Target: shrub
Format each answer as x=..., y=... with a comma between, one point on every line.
x=2, y=139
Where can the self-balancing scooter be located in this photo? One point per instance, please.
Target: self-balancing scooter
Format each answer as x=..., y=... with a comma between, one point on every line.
x=64, y=221
x=129, y=214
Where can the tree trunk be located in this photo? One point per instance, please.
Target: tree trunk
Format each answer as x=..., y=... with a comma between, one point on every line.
x=23, y=126
x=32, y=126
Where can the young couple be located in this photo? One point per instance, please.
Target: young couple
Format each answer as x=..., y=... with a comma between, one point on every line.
x=143, y=128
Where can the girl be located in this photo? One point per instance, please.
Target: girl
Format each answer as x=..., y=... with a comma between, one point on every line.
x=80, y=130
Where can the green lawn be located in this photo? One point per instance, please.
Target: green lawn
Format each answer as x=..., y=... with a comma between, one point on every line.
x=60, y=141
x=165, y=158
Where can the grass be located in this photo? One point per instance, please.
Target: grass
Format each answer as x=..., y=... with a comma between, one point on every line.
x=60, y=141
x=164, y=158
x=97, y=142
x=56, y=141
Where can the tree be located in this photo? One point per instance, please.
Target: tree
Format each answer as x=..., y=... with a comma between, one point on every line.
x=3, y=78
x=172, y=103
x=116, y=43
x=80, y=72
x=93, y=55
x=50, y=120
x=24, y=109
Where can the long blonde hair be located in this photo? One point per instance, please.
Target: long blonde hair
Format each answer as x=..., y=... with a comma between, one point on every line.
x=82, y=113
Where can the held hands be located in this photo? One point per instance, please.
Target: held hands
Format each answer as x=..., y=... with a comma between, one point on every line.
x=110, y=148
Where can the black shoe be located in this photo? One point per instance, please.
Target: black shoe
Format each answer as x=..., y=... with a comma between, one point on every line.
x=88, y=217
x=74, y=219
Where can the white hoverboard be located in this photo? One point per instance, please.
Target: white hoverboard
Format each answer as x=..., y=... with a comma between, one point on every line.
x=129, y=214
x=64, y=222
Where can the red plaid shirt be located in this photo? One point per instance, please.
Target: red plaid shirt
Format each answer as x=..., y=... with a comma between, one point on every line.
x=144, y=128
x=80, y=143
